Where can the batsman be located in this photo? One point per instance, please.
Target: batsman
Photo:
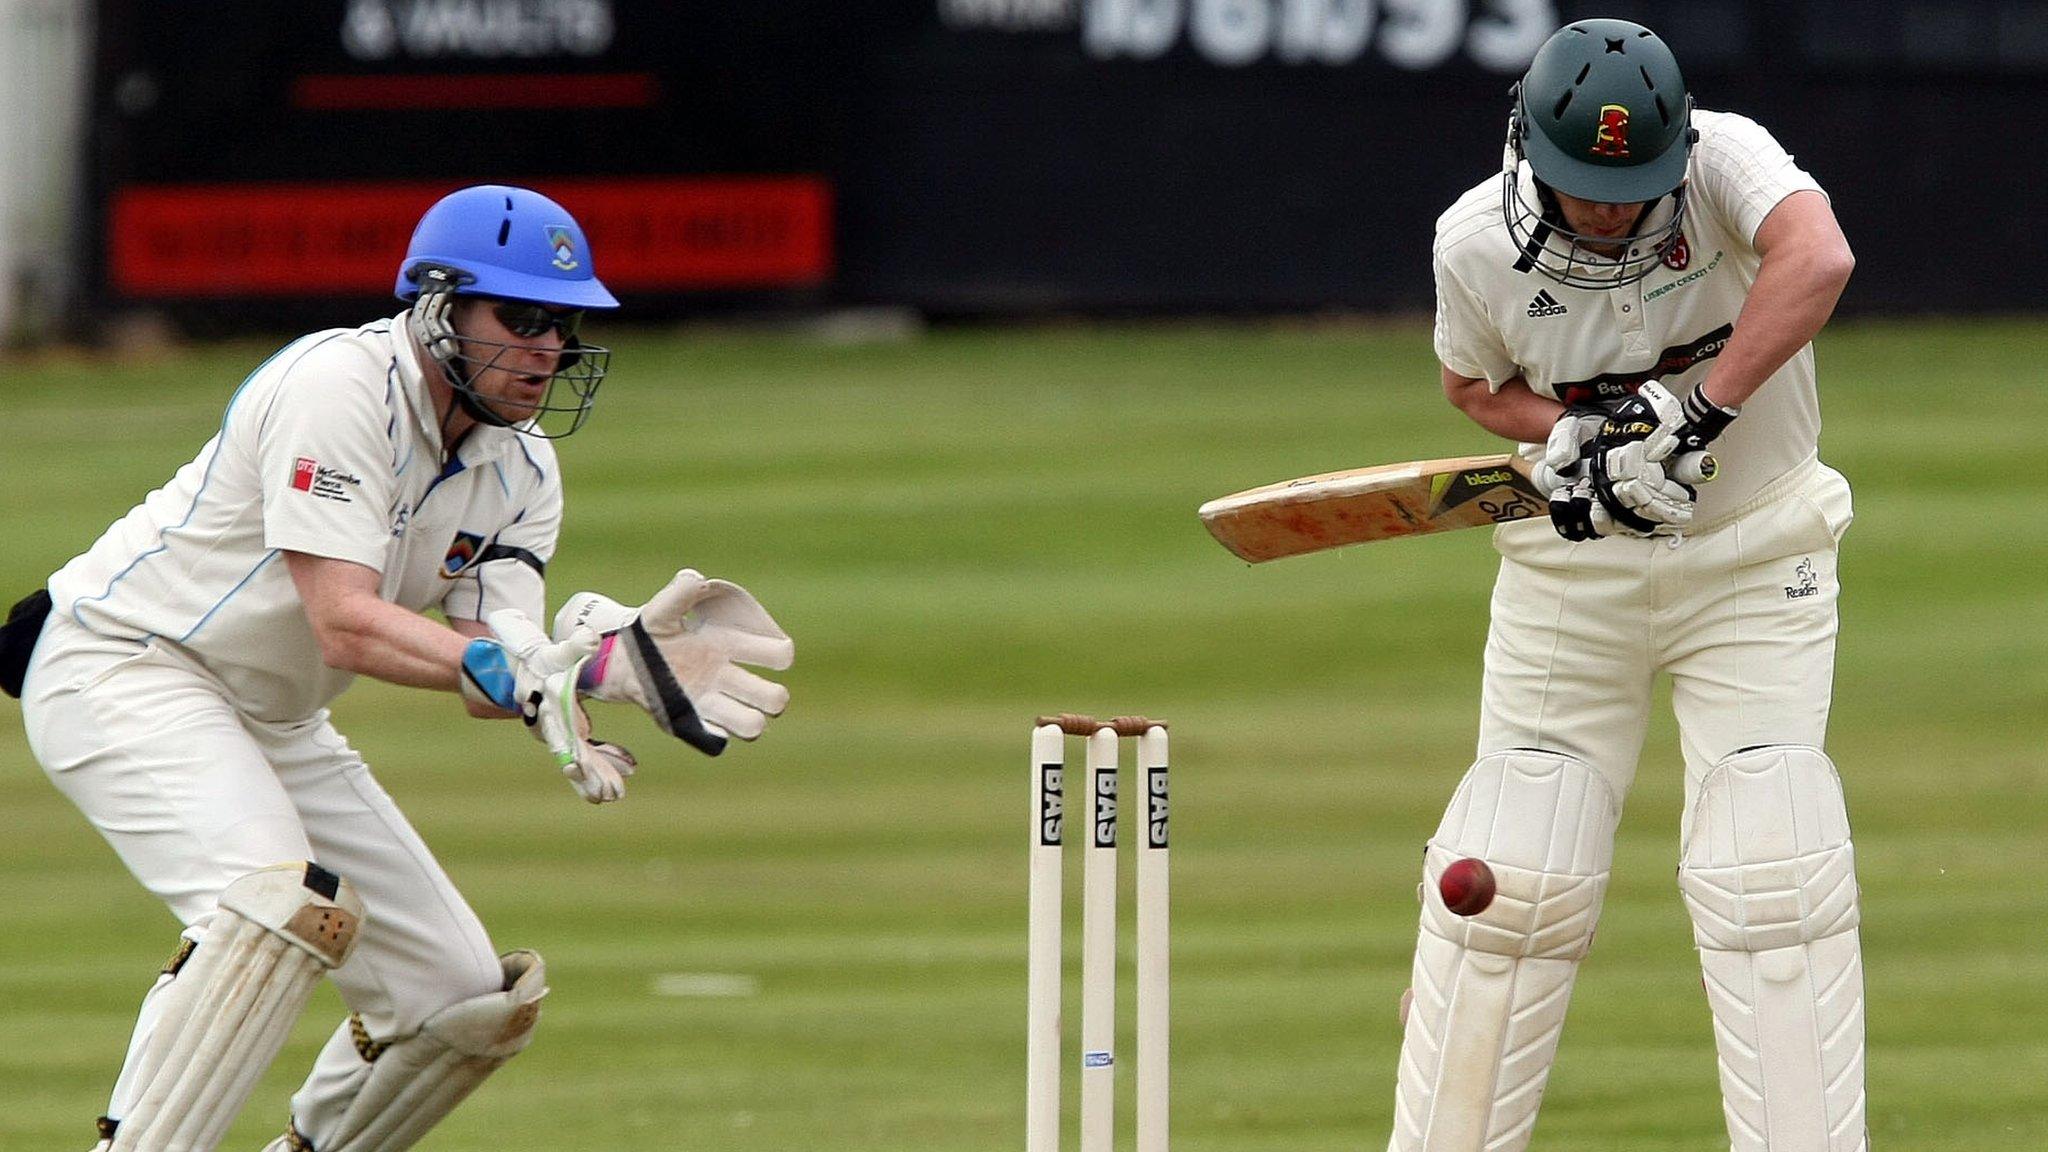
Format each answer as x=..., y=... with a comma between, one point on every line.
x=1642, y=281
x=175, y=680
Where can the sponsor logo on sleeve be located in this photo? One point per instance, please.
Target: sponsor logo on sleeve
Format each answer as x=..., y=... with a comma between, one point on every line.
x=317, y=479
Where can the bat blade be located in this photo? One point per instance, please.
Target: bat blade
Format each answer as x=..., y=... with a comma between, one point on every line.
x=1315, y=513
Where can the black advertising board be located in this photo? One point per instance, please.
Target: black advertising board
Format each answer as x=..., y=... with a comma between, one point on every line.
x=1282, y=155
x=258, y=151
x=998, y=156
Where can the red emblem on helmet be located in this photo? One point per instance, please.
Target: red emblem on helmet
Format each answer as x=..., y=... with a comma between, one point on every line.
x=1611, y=138
x=1678, y=255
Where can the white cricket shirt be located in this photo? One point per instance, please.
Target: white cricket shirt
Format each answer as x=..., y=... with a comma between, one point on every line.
x=1590, y=345
x=329, y=448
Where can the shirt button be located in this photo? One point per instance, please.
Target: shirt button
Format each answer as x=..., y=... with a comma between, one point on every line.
x=1624, y=307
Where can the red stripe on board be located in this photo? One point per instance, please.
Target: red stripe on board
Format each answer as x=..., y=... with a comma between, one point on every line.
x=647, y=234
x=441, y=91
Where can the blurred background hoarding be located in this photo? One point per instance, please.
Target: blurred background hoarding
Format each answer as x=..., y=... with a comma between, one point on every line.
x=248, y=160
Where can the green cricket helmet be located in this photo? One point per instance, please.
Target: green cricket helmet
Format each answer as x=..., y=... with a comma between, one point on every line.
x=1603, y=115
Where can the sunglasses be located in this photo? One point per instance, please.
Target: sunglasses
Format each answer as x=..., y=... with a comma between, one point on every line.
x=528, y=321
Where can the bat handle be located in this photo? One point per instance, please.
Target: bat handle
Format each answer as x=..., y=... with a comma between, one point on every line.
x=1697, y=467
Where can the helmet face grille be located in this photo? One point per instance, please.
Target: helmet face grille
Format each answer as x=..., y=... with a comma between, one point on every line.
x=572, y=386
x=1549, y=246
x=1618, y=130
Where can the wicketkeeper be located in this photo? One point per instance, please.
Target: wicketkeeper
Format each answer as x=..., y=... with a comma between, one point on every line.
x=175, y=678
x=1641, y=280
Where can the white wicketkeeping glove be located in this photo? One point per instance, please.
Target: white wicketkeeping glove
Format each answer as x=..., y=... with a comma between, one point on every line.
x=523, y=671
x=678, y=657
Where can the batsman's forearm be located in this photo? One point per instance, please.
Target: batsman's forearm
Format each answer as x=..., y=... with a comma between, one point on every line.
x=1794, y=294
x=1515, y=412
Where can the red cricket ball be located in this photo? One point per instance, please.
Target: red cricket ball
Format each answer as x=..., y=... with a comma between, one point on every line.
x=1466, y=886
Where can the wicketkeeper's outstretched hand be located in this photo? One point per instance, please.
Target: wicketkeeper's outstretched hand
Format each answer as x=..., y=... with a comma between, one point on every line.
x=521, y=672
x=678, y=657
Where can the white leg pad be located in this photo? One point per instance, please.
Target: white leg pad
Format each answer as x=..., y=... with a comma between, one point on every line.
x=1769, y=875
x=1490, y=990
x=414, y=1082
x=233, y=1003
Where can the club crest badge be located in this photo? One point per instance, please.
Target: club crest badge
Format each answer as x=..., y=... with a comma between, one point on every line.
x=1678, y=255
x=563, y=245
x=461, y=554
x=1610, y=139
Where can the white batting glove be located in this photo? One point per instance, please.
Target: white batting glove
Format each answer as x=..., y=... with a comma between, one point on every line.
x=1700, y=422
x=1628, y=461
x=1566, y=448
x=1653, y=414
x=523, y=671
x=1576, y=512
x=678, y=657
x=1654, y=503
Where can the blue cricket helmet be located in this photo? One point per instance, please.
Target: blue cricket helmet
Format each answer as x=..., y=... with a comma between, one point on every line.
x=506, y=243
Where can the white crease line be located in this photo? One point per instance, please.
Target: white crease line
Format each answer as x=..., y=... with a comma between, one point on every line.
x=706, y=985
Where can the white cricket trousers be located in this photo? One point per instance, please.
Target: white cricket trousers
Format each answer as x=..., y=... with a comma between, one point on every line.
x=193, y=795
x=1740, y=614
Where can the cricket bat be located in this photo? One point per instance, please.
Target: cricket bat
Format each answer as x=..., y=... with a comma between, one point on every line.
x=1314, y=513
x=1295, y=517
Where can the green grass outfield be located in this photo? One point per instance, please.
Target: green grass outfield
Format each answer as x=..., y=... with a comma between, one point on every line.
x=964, y=529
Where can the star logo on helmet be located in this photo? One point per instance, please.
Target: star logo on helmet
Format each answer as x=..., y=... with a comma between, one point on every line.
x=564, y=246
x=1611, y=137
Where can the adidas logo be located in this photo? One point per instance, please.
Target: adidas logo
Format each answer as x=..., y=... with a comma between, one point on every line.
x=1545, y=304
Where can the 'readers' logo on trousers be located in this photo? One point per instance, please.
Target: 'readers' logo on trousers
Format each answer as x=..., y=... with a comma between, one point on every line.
x=1805, y=581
